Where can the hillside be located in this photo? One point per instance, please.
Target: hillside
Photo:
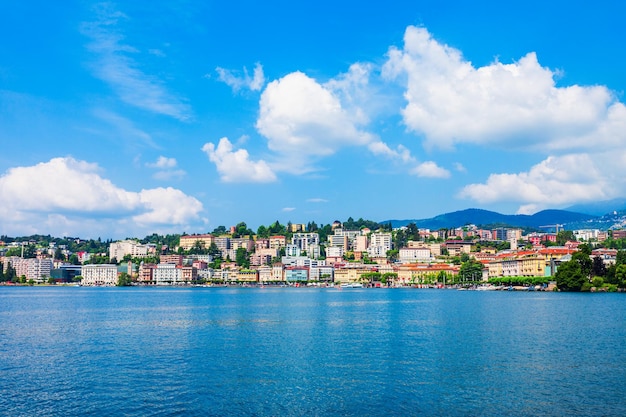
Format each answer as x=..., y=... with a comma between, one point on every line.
x=481, y=217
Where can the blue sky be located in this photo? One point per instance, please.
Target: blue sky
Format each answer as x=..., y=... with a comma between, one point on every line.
x=127, y=118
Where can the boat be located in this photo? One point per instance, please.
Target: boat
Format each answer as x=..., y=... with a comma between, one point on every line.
x=352, y=285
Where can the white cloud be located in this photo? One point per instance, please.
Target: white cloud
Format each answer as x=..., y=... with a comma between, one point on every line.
x=167, y=206
x=71, y=196
x=163, y=162
x=450, y=101
x=115, y=66
x=556, y=181
x=430, y=169
x=288, y=209
x=230, y=78
x=304, y=120
x=401, y=153
x=166, y=169
x=236, y=166
x=317, y=200
x=460, y=167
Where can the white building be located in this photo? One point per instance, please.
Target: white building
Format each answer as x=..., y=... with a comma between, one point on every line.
x=102, y=274
x=408, y=255
x=334, y=252
x=305, y=240
x=321, y=273
x=292, y=250
x=380, y=243
x=167, y=274
x=119, y=250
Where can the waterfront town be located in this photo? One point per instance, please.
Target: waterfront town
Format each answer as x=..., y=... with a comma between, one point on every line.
x=295, y=255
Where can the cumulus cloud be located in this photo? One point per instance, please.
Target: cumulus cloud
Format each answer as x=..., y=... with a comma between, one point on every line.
x=236, y=82
x=115, y=66
x=400, y=153
x=288, y=209
x=449, y=101
x=65, y=192
x=236, y=166
x=317, y=200
x=555, y=181
x=166, y=167
x=163, y=162
x=430, y=169
x=303, y=120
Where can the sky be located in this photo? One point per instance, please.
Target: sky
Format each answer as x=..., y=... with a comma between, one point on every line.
x=123, y=119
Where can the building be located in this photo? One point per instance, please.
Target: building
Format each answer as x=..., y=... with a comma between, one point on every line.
x=167, y=274
x=456, y=247
x=66, y=272
x=296, y=274
x=619, y=234
x=189, y=241
x=324, y=273
x=380, y=243
x=31, y=268
x=412, y=255
x=172, y=259
x=305, y=240
x=277, y=242
x=99, y=275
x=146, y=273
x=118, y=250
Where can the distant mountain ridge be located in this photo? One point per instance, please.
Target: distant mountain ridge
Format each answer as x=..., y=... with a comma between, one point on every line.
x=480, y=217
x=600, y=208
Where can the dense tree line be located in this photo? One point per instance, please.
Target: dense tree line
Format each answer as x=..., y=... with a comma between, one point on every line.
x=582, y=272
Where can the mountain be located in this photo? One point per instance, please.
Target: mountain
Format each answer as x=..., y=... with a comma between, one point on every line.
x=599, y=208
x=481, y=217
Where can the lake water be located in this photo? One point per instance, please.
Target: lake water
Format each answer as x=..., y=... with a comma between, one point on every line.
x=274, y=352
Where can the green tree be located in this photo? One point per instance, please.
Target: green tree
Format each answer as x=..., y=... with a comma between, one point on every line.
x=241, y=258
x=389, y=277
x=263, y=232
x=198, y=248
x=10, y=275
x=400, y=239
x=620, y=276
x=219, y=230
x=58, y=254
x=564, y=236
x=241, y=229
x=585, y=262
x=124, y=280
x=471, y=271
x=392, y=255
x=598, y=268
x=214, y=251
x=570, y=277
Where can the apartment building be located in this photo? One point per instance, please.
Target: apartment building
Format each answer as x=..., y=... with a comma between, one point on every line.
x=189, y=241
x=35, y=269
x=118, y=250
x=416, y=254
x=99, y=275
x=167, y=274
x=277, y=242
x=380, y=243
